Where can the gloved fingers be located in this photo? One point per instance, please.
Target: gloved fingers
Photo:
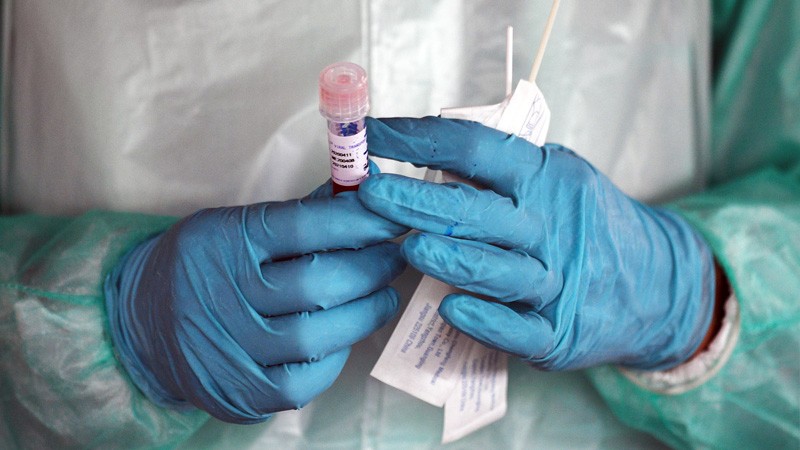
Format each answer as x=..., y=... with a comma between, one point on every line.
x=499, y=326
x=281, y=230
x=492, y=158
x=323, y=280
x=310, y=336
x=452, y=209
x=294, y=385
x=326, y=189
x=483, y=269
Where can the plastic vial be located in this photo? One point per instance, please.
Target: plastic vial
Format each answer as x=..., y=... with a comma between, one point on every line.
x=344, y=102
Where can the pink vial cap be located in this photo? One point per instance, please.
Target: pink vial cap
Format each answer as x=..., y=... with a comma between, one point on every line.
x=343, y=92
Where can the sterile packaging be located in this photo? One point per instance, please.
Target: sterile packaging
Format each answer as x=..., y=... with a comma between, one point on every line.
x=424, y=353
x=479, y=397
x=427, y=358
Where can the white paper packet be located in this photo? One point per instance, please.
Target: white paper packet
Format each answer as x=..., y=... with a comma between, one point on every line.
x=423, y=353
x=480, y=394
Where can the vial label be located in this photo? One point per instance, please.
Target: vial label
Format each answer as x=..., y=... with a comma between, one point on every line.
x=349, y=163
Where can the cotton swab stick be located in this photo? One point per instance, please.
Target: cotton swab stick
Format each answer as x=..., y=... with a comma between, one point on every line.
x=509, y=59
x=543, y=44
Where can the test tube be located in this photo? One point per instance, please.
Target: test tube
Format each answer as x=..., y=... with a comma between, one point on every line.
x=344, y=102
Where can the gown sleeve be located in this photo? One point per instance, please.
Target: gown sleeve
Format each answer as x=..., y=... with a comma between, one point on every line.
x=753, y=227
x=750, y=394
x=60, y=383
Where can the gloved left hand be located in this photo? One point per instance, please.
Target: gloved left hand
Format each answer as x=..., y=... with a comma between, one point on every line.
x=561, y=267
x=245, y=311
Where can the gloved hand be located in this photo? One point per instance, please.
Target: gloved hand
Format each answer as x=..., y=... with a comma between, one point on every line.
x=567, y=271
x=245, y=311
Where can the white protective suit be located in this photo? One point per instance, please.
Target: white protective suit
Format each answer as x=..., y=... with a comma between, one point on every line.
x=169, y=108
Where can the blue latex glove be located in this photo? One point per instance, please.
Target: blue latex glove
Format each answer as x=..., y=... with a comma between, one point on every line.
x=245, y=311
x=572, y=272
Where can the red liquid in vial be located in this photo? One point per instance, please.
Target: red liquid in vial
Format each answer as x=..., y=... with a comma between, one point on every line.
x=339, y=188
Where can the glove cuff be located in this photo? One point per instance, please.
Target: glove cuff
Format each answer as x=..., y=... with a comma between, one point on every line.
x=693, y=286
x=120, y=288
x=699, y=368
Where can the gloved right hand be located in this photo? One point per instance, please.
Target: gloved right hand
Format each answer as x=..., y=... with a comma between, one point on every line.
x=245, y=311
